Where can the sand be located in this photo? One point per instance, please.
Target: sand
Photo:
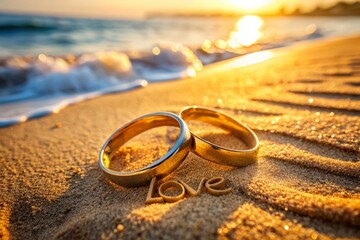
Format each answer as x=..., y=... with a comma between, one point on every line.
x=304, y=105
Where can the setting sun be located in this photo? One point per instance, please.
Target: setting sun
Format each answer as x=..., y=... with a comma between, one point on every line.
x=250, y=4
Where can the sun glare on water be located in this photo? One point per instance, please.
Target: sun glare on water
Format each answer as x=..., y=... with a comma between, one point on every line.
x=247, y=32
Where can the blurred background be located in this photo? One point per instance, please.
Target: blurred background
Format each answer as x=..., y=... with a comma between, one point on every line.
x=64, y=27
x=54, y=53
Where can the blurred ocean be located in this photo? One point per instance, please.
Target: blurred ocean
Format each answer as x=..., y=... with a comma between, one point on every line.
x=33, y=35
x=47, y=63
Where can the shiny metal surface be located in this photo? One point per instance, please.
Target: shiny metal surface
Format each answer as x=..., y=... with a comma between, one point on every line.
x=215, y=153
x=159, y=168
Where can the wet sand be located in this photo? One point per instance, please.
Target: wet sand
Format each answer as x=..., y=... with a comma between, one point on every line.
x=304, y=105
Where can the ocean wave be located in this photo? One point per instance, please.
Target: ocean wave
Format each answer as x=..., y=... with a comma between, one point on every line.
x=27, y=26
x=50, y=83
x=54, y=75
x=166, y=62
x=37, y=86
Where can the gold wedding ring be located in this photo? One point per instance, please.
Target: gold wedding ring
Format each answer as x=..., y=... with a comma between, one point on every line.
x=159, y=168
x=218, y=154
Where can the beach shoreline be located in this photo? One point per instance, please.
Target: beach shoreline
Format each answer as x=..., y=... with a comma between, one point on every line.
x=303, y=102
x=28, y=104
x=61, y=67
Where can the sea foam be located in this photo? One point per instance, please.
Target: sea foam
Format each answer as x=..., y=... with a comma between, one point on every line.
x=52, y=83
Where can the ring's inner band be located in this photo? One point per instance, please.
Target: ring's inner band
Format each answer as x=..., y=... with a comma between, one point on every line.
x=223, y=122
x=134, y=129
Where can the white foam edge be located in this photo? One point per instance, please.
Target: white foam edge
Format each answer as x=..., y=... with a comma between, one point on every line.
x=58, y=106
